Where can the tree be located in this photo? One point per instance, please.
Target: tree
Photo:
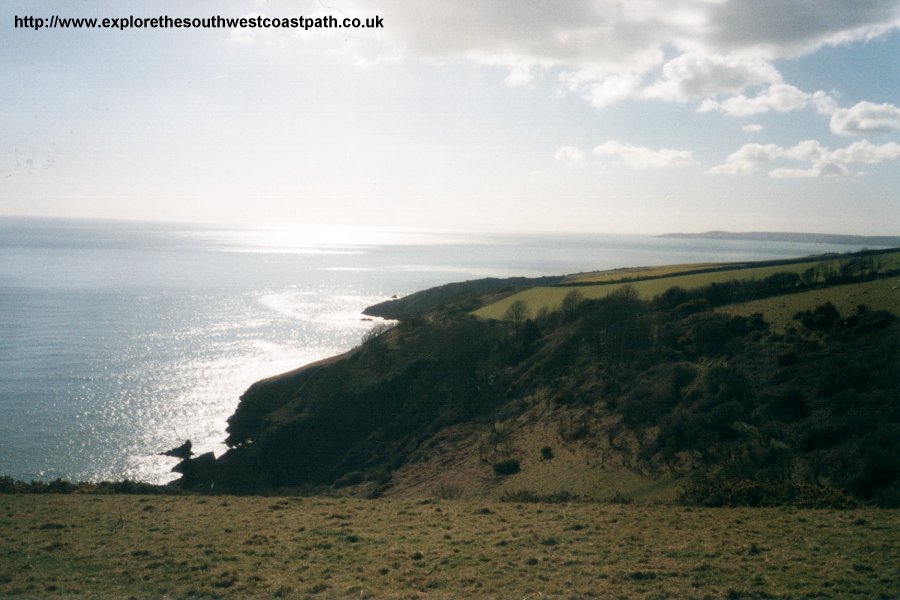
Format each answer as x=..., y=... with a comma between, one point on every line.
x=570, y=303
x=517, y=312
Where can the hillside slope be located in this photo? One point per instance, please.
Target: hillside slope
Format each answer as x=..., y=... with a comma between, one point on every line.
x=610, y=395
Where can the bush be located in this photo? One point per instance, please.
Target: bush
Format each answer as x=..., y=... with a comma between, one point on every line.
x=348, y=479
x=527, y=496
x=517, y=312
x=570, y=303
x=376, y=331
x=448, y=491
x=824, y=317
x=715, y=490
x=507, y=467
x=8, y=485
x=546, y=453
x=657, y=392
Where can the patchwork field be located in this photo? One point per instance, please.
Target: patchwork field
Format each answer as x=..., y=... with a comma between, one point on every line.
x=882, y=294
x=238, y=547
x=538, y=298
x=614, y=275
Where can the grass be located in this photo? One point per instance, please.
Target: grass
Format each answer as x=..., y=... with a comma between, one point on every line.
x=631, y=273
x=238, y=547
x=882, y=294
x=538, y=298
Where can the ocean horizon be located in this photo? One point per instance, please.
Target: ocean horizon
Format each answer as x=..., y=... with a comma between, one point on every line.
x=120, y=340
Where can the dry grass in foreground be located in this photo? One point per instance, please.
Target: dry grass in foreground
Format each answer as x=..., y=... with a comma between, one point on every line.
x=237, y=547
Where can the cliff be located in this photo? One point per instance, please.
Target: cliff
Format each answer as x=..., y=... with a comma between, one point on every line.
x=605, y=396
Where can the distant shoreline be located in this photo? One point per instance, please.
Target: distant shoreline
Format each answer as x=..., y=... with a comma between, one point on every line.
x=776, y=236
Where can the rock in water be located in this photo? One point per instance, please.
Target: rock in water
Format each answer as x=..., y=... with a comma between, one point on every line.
x=183, y=451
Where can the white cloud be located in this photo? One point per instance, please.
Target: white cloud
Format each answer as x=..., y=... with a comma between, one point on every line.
x=819, y=160
x=748, y=159
x=570, y=155
x=865, y=117
x=825, y=104
x=601, y=90
x=868, y=153
x=780, y=97
x=519, y=76
x=608, y=48
x=694, y=75
x=620, y=33
x=752, y=128
x=638, y=157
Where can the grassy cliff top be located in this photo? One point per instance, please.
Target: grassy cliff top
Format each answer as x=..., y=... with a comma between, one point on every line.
x=649, y=282
x=273, y=547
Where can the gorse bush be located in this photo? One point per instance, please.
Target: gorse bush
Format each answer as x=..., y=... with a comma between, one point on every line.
x=507, y=467
x=715, y=491
x=528, y=496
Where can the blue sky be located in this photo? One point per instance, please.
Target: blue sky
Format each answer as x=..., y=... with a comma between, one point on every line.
x=641, y=116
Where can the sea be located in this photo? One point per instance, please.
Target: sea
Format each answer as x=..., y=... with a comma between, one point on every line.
x=120, y=340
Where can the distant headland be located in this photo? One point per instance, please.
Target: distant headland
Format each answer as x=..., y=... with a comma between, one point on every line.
x=786, y=236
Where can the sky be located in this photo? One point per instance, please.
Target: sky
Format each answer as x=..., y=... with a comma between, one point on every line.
x=613, y=116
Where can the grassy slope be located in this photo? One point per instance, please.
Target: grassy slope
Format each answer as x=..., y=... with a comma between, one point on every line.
x=630, y=273
x=538, y=298
x=881, y=294
x=451, y=465
x=245, y=547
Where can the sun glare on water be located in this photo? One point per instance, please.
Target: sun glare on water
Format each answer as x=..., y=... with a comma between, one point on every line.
x=319, y=239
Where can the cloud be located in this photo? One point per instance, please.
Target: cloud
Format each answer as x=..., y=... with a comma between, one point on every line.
x=752, y=128
x=819, y=160
x=748, y=159
x=569, y=155
x=611, y=34
x=638, y=157
x=780, y=97
x=865, y=117
x=789, y=28
x=622, y=33
x=697, y=75
x=825, y=104
x=602, y=89
x=607, y=50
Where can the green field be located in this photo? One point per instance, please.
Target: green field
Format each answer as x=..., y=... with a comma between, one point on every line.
x=881, y=294
x=549, y=298
x=627, y=274
x=99, y=546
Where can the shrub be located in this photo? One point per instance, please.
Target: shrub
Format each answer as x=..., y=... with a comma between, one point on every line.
x=527, y=496
x=570, y=303
x=376, y=331
x=448, y=491
x=824, y=317
x=517, y=312
x=507, y=467
x=546, y=453
x=620, y=498
x=715, y=490
x=8, y=485
x=520, y=496
x=348, y=479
